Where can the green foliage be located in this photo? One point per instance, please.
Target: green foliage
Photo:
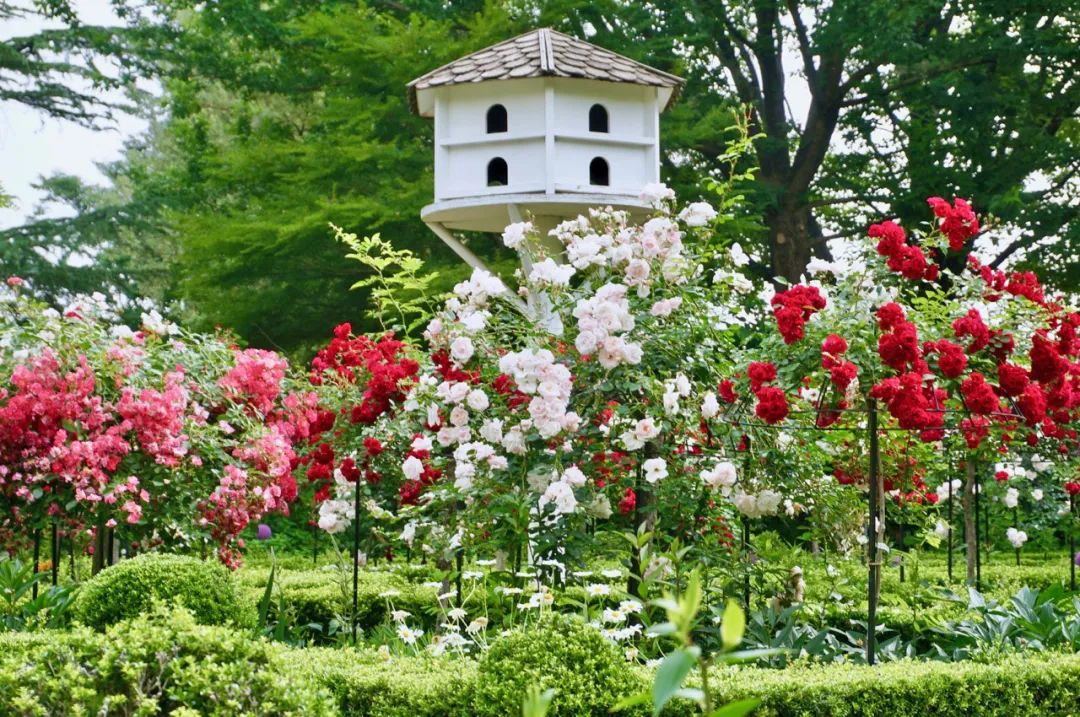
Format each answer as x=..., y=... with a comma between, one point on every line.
x=588, y=673
x=19, y=609
x=160, y=663
x=321, y=597
x=1037, y=685
x=132, y=587
x=364, y=683
x=400, y=294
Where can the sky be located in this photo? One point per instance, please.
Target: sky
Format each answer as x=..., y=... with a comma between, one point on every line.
x=32, y=144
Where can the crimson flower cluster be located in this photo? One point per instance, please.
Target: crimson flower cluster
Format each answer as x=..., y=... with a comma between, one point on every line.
x=907, y=260
x=958, y=221
x=772, y=403
x=793, y=308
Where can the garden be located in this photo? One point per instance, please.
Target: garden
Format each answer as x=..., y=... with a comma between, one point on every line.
x=679, y=453
x=670, y=495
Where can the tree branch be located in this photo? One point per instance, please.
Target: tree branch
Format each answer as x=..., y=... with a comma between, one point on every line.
x=804, y=45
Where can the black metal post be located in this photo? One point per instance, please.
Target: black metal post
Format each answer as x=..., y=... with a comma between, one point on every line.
x=746, y=562
x=949, y=508
x=1072, y=542
x=55, y=552
x=1016, y=522
x=356, y=559
x=873, y=564
x=978, y=533
x=37, y=559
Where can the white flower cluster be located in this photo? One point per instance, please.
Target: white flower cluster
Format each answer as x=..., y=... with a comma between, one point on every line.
x=537, y=374
x=468, y=313
x=460, y=397
x=764, y=503
x=466, y=458
x=336, y=513
x=600, y=319
x=560, y=492
x=551, y=273
x=1016, y=537
x=721, y=477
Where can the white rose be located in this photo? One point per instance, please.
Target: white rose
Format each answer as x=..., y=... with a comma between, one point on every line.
x=477, y=400
x=413, y=468
x=698, y=214
x=655, y=469
x=461, y=350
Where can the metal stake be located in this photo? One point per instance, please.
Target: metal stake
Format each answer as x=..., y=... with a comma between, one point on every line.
x=873, y=564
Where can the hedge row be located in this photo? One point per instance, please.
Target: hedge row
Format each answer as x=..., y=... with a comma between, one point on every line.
x=132, y=587
x=1047, y=685
x=318, y=596
x=166, y=663
x=161, y=663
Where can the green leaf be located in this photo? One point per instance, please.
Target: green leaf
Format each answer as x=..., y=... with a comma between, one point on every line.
x=733, y=625
x=662, y=628
x=736, y=709
x=669, y=677
x=631, y=701
x=264, y=601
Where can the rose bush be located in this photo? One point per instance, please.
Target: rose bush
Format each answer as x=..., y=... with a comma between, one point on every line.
x=169, y=433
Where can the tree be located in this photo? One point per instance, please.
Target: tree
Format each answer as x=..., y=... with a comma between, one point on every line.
x=65, y=70
x=907, y=100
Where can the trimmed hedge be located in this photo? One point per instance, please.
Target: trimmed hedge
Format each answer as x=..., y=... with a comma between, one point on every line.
x=1046, y=685
x=163, y=663
x=318, y=596
x=166, y=663
x=132, y=587
x=365, y=684
x=588, y=672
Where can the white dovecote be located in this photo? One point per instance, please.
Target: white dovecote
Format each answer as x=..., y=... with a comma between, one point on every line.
x=541, y=125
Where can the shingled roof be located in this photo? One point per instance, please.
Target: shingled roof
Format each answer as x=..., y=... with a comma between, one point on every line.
x=544, y=53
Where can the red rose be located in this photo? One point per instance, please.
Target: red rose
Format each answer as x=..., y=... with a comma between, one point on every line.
x=1012, y=379
x=760, y=373
x=834, y=345
x=979, y=396
x=772, y=406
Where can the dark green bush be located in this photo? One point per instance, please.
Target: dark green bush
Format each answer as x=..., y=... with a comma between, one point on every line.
x=162, y=663
x=1045, y=685
x=131, y=587
x=318, y=596
x=366, y=685
x=587, y=671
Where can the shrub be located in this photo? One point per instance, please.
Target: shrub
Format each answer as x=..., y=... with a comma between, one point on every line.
x=318, y=596
x=1047, y=685
x=587, y=670
x=159, y=663
x=131, y=587
x=367, y=685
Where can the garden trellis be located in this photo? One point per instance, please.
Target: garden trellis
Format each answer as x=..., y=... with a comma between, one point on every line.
x=876, y=522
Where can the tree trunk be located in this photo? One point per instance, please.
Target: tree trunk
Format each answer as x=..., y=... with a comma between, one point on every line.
x=101, y=548
x=792, y=241
x=969, y=519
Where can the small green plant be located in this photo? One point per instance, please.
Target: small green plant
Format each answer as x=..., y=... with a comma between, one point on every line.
x=682, y=623
x=400, y=291
x=279, y=624
x=19, y=610
x=132, y=587
x=537, y=702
